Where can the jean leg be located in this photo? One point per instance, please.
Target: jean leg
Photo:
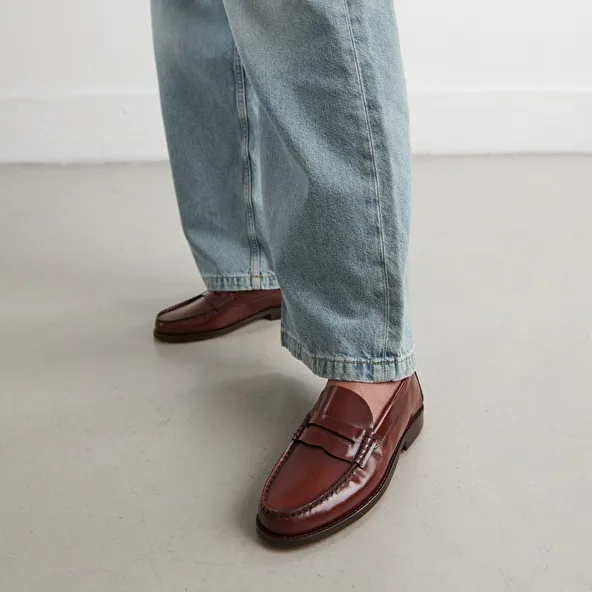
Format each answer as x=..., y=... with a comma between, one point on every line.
x=329, y=78
x=204, y=98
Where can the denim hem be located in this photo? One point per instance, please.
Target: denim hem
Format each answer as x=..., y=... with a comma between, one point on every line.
x=241, y=282
x=370, y=370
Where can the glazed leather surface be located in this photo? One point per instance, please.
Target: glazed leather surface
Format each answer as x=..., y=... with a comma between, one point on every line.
x=214, y=311
x=337, y=460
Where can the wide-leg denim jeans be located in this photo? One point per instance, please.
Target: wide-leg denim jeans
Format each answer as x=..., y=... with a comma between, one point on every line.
x=287, y=129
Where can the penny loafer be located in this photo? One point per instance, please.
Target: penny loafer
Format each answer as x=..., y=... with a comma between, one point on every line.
x=213, y=314
x=338, y=464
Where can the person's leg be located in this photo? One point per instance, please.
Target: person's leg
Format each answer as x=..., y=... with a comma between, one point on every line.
x=329, y=79
x=330, y=84
x=204, y=97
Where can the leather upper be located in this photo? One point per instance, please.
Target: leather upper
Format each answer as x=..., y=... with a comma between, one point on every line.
x=213, y=311
x=337, y=459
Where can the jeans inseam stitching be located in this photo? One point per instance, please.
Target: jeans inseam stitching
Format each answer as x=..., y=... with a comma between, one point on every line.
x=241, y=98
x=353, y=361
x=375, y=173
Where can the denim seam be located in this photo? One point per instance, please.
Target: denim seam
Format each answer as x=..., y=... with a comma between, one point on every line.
x=241, y=100
x=371, y=361
x=386, y=304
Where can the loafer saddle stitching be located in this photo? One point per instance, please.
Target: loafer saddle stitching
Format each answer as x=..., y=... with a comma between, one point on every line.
x=180, y=305
x=197, y=315
x=217, y=307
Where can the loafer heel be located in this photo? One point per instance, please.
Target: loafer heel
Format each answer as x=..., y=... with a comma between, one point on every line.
x=413, y=431
x=274, y=315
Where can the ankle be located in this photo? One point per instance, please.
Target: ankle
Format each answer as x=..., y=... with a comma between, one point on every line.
x=376, y=394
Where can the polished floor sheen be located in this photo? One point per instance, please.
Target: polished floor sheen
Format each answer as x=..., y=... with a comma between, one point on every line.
x=129, y=465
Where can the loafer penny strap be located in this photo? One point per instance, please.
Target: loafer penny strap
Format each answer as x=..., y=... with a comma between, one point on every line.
x=337, y=438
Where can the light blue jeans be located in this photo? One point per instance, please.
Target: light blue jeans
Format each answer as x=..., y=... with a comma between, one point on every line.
x=287, y=129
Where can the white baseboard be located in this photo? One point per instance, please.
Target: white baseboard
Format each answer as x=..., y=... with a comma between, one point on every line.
x=82, y=128
x=127, y=127
x=503, y=121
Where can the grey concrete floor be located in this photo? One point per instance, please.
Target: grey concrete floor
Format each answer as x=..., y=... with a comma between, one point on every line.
x=128, y=465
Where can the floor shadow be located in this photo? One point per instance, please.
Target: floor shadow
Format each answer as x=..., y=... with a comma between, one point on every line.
x=256, y=394
x=274, y=405
x=271, y=406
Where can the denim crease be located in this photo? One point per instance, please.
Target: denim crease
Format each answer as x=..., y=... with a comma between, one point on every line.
x=287, y=128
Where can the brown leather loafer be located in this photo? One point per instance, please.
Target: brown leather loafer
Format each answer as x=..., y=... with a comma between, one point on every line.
x=338, y=464
x=213, y=314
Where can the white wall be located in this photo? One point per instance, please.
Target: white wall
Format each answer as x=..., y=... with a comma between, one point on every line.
x=77, y=78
